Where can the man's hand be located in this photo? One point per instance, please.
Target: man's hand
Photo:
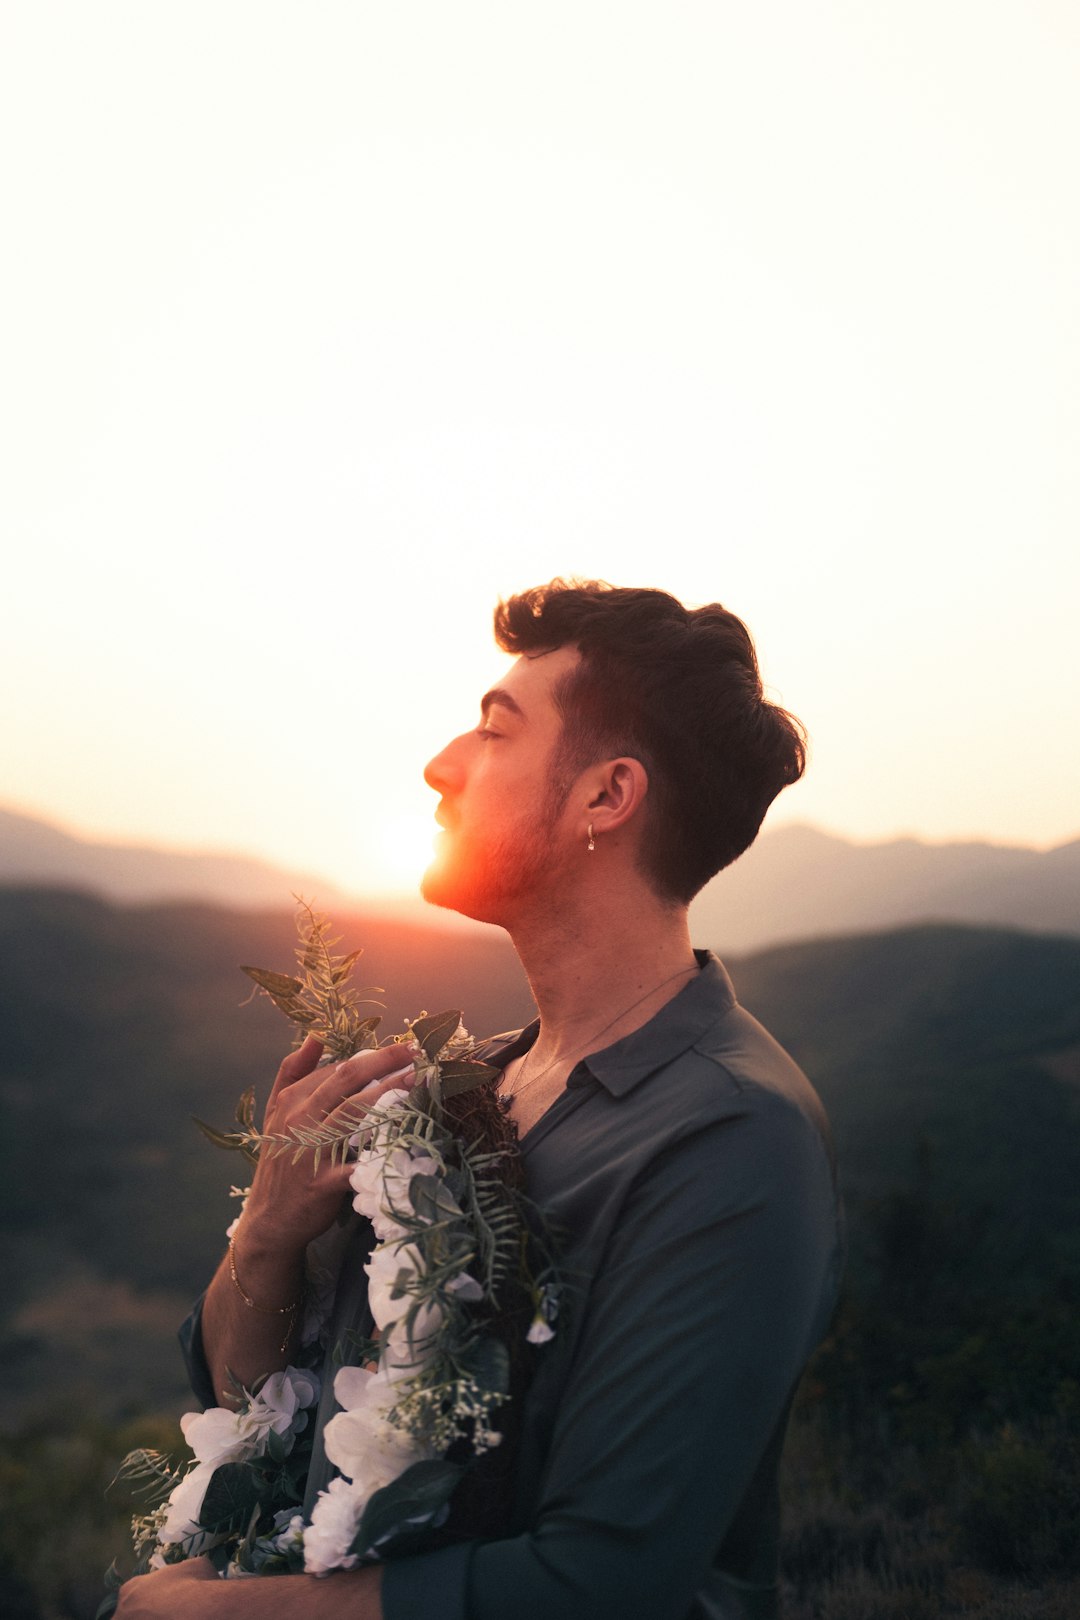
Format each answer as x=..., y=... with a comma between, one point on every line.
x=193, y=1591
x=289, y=1203
x=172, y=1591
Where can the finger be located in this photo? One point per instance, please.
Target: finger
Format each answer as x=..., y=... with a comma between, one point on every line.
x=352, y=1112
x=382, y=1068
x=297, y=1066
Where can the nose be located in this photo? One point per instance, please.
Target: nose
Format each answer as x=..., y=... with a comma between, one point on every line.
x=440, y=773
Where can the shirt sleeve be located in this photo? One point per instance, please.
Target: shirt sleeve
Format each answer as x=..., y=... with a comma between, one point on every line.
x=198, y=1368
x=717, y=1282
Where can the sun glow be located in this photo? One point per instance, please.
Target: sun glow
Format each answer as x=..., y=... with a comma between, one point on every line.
x=405, y=847
x=348, y=447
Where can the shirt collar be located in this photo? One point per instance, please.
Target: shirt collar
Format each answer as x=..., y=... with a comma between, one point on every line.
x=620, y=1067
x=680, y=1023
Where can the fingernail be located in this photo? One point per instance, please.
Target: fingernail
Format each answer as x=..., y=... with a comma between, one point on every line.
x=399, y=1074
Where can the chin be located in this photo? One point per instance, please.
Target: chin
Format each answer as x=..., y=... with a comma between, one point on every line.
x=444, y=886
x=484, y=888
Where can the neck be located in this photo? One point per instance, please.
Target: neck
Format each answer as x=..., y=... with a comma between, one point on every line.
x=588, y=961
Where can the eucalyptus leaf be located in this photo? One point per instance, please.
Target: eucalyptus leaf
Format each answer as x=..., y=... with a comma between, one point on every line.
x=231, y=1141
x=231, y=1496
x=243, y=1551
x=402, y=1511
x=455, y=1085
x=419, y=1097
x=277, y=985
x=468, y=1068
x=345, y=966
x=431, y=1200
x=245, y=1109
x=457, y=1183
x=433, y=1032
x=489, y=1362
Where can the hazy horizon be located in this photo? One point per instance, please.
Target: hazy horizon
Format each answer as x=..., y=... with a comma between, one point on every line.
x=319, y=341
x=406, y=893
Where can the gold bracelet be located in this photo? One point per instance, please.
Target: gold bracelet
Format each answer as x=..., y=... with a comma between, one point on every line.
x=266, y=1310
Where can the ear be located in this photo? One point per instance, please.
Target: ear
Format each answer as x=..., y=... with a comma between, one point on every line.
x=617, y=791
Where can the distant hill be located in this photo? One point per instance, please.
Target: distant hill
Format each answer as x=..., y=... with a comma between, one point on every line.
x=34, y=852
x=948, y=1058
x=799, y=883
x=794, y=883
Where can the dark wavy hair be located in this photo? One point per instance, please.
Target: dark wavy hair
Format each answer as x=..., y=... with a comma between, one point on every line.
x=677, y=688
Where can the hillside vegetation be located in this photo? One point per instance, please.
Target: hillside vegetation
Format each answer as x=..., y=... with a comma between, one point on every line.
x=933, y=1464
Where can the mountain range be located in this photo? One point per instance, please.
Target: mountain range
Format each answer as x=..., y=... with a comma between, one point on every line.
x=948, y=1058
x=796, y=882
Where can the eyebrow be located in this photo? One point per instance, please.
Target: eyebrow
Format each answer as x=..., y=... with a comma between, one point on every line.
x=500, y=695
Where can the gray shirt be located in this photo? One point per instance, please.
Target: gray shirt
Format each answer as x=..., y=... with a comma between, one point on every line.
x=689, y=1171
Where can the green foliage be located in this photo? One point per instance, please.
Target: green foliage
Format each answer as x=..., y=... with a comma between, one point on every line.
x=433, y=1031
x=61, y=1521
x=1022, y=1512
x=150, y=1474
x=397, y=1517
x=235, y=1141
x=321, y=1001
x=451, y=1399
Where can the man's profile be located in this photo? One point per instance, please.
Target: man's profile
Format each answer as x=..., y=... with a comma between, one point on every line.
x=626, y=756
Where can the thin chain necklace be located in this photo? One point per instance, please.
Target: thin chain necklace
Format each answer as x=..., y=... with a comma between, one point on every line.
x=524, y=1084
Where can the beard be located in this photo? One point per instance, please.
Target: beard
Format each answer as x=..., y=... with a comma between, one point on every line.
x=490, y=880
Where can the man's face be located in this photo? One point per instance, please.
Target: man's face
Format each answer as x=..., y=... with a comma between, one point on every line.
x=503, y=841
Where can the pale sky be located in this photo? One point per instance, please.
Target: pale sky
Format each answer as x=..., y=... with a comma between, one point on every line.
x=323, y=326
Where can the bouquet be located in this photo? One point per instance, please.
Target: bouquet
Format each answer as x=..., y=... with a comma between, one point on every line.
x=460, y=1279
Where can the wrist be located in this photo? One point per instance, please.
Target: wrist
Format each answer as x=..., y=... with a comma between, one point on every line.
x=262, y=1242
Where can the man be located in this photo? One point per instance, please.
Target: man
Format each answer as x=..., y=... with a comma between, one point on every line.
x=628, y=755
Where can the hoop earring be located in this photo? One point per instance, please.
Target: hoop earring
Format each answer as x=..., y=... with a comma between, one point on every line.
x=592, y=841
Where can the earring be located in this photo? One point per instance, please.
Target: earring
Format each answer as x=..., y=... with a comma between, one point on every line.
x=592, y=841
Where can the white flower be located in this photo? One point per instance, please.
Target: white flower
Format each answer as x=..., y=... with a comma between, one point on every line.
x=290, y=1530
x=334, y=1520
x=356, y=1386
x=393, y=1266
x=380, y=1181
x=369, y=1450
x=280, y=1403
x=242, y=1193
x=376, y=1181
x=218, y=1436
x=361, y=1441
x=388, y=1111
x=402, y=1356
x=465, y=1287
x=185, y=1504
x=547, y=1309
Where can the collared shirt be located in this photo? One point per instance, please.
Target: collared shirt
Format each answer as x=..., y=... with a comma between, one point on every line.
x=689, y=1171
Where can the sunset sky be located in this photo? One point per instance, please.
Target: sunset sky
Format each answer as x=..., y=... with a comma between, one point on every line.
x=323, y=326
